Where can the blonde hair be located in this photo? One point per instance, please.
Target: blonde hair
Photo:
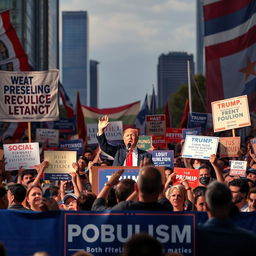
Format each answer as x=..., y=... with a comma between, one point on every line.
x=179, y=187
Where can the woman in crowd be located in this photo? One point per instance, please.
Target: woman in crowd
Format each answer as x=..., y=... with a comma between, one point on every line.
x=34, y=197
x=200, y=204
x=177, y=196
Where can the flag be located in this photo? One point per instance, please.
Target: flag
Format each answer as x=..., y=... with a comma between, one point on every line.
x=80, y=120
x=140, y=120
x=168, y=115
x=12, y=58
x=126, y=113
x=153, y=103
x=230, y=49
x=12, y=55
x=184, y=118
x=66, y=102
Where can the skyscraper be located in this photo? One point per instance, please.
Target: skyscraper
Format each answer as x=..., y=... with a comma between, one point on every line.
x=94, y=83
x=75, y=55
x=37, y=25
x=171, y=73
x=199, y=37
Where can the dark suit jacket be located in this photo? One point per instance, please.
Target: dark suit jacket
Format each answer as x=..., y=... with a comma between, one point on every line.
x=221, y=237
x=119, y=152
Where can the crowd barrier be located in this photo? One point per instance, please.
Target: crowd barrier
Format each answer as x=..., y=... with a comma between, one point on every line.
x=101, y=233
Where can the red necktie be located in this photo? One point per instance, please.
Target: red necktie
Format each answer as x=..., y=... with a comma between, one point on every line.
x=129, y=158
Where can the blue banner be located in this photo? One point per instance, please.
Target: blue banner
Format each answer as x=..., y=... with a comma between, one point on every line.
x=163, y=158
x=101, y=233
x=197, y=120
x=191, y=131
x=75, y=145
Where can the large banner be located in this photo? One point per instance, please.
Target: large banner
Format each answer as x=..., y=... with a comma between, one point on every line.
x=29, y=96
x=21, y=155
x=200, y=147
x=230, y=113
x=176, y=232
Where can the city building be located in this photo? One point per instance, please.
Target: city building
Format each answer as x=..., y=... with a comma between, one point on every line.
x=172, y=72
x=75, y=55
x=94, y=83
x=37, y=25
x=199, y=38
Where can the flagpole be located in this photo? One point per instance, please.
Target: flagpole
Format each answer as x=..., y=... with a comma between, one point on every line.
x=29, y=131
x=189, y=88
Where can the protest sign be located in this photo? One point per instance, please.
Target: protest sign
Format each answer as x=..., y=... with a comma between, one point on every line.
x=29, y=96
x=173, y=135
x=144, y=142
x=190, y=131
x=229, y=146
x=59, y=164
x=101, y=175
x=106, y=236
x=155, y=124
x=163, y=158
x=113, y=132
x=51, y=136
x=74, y=145
x=64, y=125
x=197, y=120
x=159, y=142
x=191, y=175
x=238, y=168
x=24, y=155
x=200, y=147
x=230, y=113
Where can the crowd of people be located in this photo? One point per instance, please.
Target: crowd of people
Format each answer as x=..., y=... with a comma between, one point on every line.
x=219, y=193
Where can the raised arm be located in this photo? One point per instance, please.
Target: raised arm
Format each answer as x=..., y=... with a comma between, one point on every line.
x=213, y=161
x=102, y=124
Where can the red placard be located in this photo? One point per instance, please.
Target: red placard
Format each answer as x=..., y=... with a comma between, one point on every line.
x=173, y=135
x=159, y=142
x=191, y=175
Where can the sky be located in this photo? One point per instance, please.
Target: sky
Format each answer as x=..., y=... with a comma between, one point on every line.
x=127, y=36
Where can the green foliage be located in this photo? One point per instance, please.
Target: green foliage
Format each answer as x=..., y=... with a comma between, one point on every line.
x=177, y=100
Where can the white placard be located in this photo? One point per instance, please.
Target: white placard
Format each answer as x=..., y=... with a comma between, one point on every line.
x=200, y=147
x=114, y=131
x=24, y=155
x=230, y=113
x=238, y=168
x=29, y=96
x=49, y=135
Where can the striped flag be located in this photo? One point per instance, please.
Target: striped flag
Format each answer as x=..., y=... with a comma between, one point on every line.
x=126, y=113
x=230, y=49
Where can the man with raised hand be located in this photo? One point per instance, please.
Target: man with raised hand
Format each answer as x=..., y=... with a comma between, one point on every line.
x=124, y=155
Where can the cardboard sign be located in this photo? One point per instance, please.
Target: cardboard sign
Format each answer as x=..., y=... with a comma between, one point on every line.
x=60, y=164
x=29, y=96
x=191, y=175
x=163, y=158
x=229, y=146
x=51, y=136
x=200, y=147
x=238, y=168
x=113, y=132
x=155, y=124
x=144, y=142
x=173, y=135
x=159, y=142
x=230, y=113
x=24, y=155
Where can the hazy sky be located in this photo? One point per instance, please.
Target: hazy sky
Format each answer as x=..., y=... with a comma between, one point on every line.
x=127, y=37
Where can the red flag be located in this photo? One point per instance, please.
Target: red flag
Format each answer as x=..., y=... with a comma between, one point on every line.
x=80, y=123
x=184, y=118
x=168, y=116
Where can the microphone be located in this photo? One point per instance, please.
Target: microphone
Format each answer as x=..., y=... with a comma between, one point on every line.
x=129, y=145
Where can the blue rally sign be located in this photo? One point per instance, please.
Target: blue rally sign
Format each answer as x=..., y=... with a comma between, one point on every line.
x=105, y=233
x=163, y=158
x=197, y=120
x=74, y=145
